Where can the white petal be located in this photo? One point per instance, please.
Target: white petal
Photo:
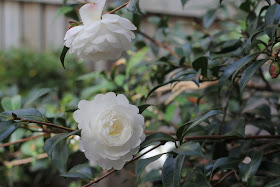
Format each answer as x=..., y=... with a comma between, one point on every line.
x=91, y=12
x=73, y=31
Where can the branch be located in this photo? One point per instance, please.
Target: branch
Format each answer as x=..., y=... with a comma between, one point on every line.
x=41, y=122
x=224, y=177
x=113, y=170
x=24, y=161
x=155, y=131
x=116, y=9
x=159, y=44
x=220, y=137
x=22, y=140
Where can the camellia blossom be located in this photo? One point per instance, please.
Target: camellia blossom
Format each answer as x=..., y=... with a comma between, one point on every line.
x=112, y=130
x=101, y=37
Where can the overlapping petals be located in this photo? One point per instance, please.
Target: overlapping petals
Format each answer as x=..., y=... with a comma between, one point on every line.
x=112, y=130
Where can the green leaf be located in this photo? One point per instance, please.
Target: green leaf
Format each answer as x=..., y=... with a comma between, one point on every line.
x=235, y=67
x=238, y=130
x=134, y=7
x=268, y=1
x=272, y=16
x=249, y=170
x=225, y=163
x=184, y=2
x=196, y=179
x=51, y=143
x=201, y=63
x=209, y=18
x=190, y=149
x=249, y=72
x=142, y=108
x=155, y=88
x=178, y=170
x=156, y=137
x=270, y=168
x=182, y=131
x=64, y=10
x=152, y=176
x=270, y=31
x=171, y=171
x=82, y=171
x=11, y=103
x=7, y=128
x=34, y=95
x=63, y=54
x=142, y=163
x=275, y=183
x=60, y=155
x=29, y=113
x=136, y=59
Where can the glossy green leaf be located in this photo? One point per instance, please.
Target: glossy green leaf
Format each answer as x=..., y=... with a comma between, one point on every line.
x=182, y=131
x=11, y=103
x=34, y=95
x=196, y=179
x=82, y=171
x=249, y=72
x=134, y=7
x=60, y=155
x=142, y=108
x=225, y=163
x=201, y=63
x=63, y=54
x=29, y=113
x=142, y=163
x=156, y=137
x=190, y=149
x=7, y=128
x=51, y=143
x=235, y=67
x=238, y=130
x=171, y=171
x=152, y=176
x=209, y=18
x=249, y=170
x=275, y=183
x=272, y=16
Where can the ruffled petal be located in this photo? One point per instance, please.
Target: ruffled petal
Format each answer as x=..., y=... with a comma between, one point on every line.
x=91, y=12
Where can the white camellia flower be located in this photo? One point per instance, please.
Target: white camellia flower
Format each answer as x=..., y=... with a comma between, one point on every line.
x=112, y=130
x=100, y=37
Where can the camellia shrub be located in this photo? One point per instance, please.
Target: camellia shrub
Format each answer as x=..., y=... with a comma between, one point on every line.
x=205, y=106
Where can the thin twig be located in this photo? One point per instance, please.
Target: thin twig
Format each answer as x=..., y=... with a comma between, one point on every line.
x=22, y=140
x=159, y=44
x=219, y=137
x=41, y=122
x=155, y=131
x=224, y=177
x=113, y=170
x=24, y=161
x=118, y=8
x=271, y=152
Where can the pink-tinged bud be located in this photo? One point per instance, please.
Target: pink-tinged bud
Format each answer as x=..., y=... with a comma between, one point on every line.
x=274, y=69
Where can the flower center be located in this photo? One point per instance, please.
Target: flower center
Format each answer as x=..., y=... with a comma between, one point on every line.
x=112, y=125
x=114, y=128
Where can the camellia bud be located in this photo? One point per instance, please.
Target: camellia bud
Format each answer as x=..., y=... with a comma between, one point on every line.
x=274, y=69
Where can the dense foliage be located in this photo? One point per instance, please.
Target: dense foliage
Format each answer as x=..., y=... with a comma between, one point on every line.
x=213, y=96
